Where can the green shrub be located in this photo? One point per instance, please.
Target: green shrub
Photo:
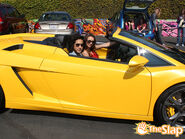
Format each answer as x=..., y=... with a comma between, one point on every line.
x=89, y=8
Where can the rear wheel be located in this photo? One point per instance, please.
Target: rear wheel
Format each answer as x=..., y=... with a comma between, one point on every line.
x=2, y=100
x=170, y=107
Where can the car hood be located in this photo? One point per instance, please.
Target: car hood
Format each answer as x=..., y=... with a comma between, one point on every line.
x=137, y=4
x=9, y=40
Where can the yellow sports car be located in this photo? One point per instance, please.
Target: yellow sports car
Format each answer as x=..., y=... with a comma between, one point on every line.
x=133, y=79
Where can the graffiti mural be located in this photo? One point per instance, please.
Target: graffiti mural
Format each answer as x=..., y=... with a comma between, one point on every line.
x=31, y=24
x=93, y=26
x=98, y=26
x=169, y=28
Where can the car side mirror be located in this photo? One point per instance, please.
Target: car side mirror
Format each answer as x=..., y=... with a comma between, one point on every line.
x=138, y=61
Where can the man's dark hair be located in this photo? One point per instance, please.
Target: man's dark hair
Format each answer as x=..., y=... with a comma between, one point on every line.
x=73, y=40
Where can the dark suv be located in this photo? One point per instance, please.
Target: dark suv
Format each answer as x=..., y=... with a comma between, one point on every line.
x=11, y=21
x=134, y=10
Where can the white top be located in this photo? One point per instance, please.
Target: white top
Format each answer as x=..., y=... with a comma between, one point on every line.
x=182, y=23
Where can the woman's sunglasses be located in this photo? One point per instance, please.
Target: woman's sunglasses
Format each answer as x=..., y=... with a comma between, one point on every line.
x=77, y=45
x=89, y=41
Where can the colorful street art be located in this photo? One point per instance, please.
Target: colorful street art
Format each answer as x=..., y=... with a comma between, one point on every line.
x=31, y=24
x=169, y=28
x=93, y=26
x=98, y=26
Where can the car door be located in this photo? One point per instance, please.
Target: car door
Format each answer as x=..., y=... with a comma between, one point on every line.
x=97, y=85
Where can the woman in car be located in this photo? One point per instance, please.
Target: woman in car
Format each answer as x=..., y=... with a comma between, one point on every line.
x=142, y=26
x=77, y=46
x=91, y=46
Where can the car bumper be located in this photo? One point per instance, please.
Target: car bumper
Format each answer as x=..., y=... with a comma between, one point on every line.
x=65, y=32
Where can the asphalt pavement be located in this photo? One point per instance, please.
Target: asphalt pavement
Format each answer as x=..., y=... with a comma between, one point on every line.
x=22, y=124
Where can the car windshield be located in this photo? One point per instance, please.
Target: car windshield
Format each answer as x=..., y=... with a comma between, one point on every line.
x=169, y=51
x=55, y=17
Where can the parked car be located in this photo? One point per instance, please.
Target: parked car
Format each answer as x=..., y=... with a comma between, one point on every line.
x=134, y=10
x=57, y=22
x=11, y=21
x=135, y=78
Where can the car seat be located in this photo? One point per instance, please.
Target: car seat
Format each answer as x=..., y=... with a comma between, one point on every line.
x=122, y=53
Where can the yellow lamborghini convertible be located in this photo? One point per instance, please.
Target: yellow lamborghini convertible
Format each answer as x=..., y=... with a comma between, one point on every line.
x=134, y=79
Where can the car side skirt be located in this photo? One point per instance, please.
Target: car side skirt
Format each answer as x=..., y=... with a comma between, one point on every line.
x=34, y=106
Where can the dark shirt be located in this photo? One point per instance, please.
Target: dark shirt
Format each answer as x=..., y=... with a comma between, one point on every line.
x=153, y=18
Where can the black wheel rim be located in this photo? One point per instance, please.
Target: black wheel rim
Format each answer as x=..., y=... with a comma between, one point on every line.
x=174, y=109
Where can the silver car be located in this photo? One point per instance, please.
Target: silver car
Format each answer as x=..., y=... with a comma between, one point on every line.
x=57, y=22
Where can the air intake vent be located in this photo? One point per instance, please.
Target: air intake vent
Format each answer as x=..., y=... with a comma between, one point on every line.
x=14, y=47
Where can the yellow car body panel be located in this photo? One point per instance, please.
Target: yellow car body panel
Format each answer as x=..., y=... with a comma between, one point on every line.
x=163, y=78
x=102, y=53
x=88, y=79
x=40, y=77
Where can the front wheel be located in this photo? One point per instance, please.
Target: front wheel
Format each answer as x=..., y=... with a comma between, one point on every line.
x=170, y=107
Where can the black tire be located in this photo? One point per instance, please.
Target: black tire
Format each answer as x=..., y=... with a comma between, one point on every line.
x=2, y=100
x=170, y=107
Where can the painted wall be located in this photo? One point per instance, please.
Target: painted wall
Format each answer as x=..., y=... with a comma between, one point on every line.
x=93, y=26
x=169, y=28
x=98, y=26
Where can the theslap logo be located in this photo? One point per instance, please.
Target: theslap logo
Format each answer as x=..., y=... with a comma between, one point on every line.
x=143, y=128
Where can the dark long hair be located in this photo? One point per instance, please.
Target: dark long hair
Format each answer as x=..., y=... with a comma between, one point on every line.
x=86, y=37
x=181, y=12
x=73, y=40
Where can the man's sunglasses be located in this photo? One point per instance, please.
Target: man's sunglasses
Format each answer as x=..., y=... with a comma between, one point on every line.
x=77, y=45
x=89, y=41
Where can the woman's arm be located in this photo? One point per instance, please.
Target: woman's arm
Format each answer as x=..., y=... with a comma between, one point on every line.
x=138, y=29
x=104, y=45
x=144, y=27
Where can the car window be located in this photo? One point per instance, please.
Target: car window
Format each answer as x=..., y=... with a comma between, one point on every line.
x=55, y=17
x=169, y=51
x=138, y=4
x=154, y=61
x=135, y=17
x=121, y=52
